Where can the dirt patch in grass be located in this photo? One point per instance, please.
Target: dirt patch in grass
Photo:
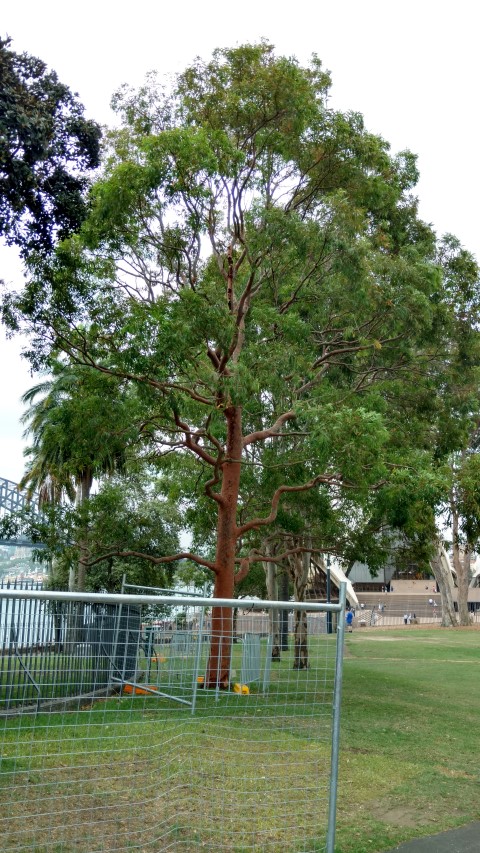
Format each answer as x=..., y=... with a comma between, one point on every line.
x=404, y=816
x=455, y=774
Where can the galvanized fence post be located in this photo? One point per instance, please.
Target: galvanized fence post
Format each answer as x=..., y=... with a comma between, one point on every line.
x=198, y=653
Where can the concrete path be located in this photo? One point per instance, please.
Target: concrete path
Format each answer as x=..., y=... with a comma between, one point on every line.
x=463, y=840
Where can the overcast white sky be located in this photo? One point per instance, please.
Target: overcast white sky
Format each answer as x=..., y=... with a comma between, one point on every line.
x=412, y=69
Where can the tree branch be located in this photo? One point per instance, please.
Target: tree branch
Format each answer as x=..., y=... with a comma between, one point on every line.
x=184, y=555
x=332, y=479
x=261, y=435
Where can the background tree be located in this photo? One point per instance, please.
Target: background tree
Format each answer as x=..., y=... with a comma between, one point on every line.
x=47, y=148
x=81, y=423
x=455, y=413
x=460, y=412
x=128, y=515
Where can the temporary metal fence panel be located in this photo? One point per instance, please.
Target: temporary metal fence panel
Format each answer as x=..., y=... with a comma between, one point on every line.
x=115, y=739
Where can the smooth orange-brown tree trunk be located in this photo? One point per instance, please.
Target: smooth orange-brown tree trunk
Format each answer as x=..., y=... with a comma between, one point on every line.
x=218, y=670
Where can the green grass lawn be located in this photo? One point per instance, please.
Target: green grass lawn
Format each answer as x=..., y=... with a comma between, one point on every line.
x=139, y=773
x=409, y=750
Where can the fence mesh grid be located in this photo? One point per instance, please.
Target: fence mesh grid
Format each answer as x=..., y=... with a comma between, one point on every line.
x=113, y=740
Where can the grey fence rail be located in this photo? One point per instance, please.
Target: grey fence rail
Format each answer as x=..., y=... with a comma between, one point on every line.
x=115, y=737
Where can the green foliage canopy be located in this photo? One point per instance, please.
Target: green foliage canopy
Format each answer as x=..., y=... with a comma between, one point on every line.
x=254, y=264
x=47, y=148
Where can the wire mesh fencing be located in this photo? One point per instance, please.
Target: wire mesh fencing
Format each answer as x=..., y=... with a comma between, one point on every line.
x=130, y=723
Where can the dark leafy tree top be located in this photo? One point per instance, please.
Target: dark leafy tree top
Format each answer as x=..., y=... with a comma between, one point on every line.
x=46, y=146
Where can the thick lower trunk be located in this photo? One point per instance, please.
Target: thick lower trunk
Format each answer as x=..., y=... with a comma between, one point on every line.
x=441, y=570
x=300, y=659
x=300, y=565
x=218, y=669
x=274, y=616
x=461, y=564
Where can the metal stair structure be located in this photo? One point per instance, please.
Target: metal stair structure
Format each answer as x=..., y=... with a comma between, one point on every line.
x=13, y=500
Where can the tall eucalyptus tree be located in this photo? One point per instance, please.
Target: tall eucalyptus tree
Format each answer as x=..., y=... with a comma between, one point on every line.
x=254, y=263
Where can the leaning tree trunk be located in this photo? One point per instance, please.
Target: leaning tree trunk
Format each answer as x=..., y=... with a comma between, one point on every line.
x=443, y=576
x=218, y=669
x=300, y=564
x=274, y=615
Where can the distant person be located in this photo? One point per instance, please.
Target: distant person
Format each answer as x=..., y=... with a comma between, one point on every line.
x=349, y=620
x=405, y=618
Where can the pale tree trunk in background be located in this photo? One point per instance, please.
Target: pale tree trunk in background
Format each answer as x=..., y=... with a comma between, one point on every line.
x=76, y=580
x=461, y=564
x=274, y=616
x=84, y=487
x=283, y=595
x=300, y=564
x=71, y=579
x=443, y=577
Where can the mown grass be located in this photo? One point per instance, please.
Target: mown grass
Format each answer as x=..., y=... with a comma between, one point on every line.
x=161, y=777
x=409, y=758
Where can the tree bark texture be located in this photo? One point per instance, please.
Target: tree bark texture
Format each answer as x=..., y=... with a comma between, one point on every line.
x=441, y=570
x=283, y=595
x=218, y=669
x=461, y=564
x=300, y=564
